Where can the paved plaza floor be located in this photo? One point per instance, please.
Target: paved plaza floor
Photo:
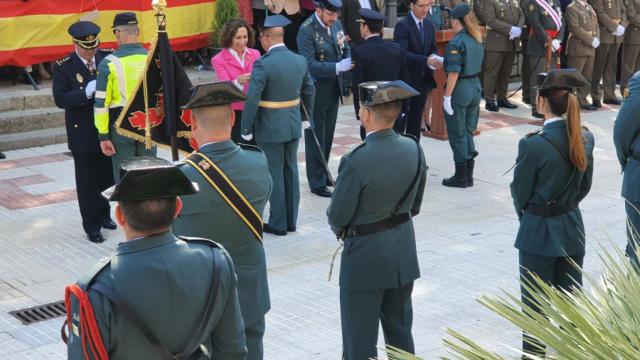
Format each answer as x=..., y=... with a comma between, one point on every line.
x=464, y=238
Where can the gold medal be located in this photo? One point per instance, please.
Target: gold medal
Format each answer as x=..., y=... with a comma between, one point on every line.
x=79, y=78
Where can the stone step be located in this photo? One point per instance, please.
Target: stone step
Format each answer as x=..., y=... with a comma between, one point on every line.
x=31, y=119
x=33, y=138
x=25, y=100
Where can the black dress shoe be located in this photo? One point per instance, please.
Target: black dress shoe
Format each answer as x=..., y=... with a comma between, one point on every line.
x=322, y=191
x=328, y=183
x=109, y=224
x=507, y=104
x=536, y=114
x=597, y=103
x=588, y=107
x=526, y=100
x=491, y=105
x=2, y=156
x=269, y=230
x=613, y=101
x=95, y=237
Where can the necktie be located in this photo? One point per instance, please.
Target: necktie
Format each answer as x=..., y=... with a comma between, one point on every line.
x=90, y=67
x=421, y=29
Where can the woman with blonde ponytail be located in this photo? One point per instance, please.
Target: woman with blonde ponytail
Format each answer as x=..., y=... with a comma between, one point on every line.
x=552, y=175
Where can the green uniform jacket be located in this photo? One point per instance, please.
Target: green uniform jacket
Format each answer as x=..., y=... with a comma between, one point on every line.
x=464, y=54
x=540, y=174
x=166, y=281
x=626, y=137
x=279, y=75
x=370, y=183
x=207, y=215
x=539, y=20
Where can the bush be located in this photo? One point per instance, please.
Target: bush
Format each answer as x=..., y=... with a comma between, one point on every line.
x=225, y=11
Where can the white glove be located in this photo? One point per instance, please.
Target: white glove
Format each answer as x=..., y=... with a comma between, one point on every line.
x=447, y=105
x=90, y=89
x=619, y=31
x=595, y=43
x=306, y=124
x=247, y=137
x=555, y=44
x=343, y=65
x=515, y=32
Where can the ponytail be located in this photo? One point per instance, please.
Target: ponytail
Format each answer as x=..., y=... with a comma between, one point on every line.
x=576, y=144
x=471, y=23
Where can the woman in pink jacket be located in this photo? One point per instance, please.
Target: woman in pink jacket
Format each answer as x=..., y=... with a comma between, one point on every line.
x=235, y=62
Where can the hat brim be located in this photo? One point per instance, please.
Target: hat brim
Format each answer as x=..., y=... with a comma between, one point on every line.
x=108, y=193
x=88, y=45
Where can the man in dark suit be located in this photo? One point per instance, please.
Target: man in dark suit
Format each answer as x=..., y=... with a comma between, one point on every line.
x=74, y=87
x=368, y=64
x=350, y=15
x=416, y=35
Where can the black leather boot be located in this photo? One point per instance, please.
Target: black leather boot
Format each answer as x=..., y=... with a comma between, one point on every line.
x=470, y=164
x=459, y=179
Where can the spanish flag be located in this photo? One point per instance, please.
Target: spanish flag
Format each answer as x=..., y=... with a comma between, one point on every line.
x=35, y=31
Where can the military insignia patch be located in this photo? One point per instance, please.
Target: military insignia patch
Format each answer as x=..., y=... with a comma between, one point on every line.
x=79, y=78
x=204, y=164
x=453, y=52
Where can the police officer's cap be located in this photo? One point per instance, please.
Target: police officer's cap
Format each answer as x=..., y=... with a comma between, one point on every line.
x=331, y=5
x=460, y=11
x=148, y=178
x=567, y=79
x=275, y=21
x=125, y=18
x=214, y=94
x=85, y=34
x=380, y=92
x=370, y=16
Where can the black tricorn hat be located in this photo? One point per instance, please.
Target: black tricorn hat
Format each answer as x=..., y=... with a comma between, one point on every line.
x=380, y=92
x=148, y=178
x=85, y=34
x=214, y=94
x=568, y=79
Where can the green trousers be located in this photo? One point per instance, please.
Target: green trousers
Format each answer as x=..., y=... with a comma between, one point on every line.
x=633, y=231
x=254, y=334
x=126, y=149
x=465, y=102
x=325, y=114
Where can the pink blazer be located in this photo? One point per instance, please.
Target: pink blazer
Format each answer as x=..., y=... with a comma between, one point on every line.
x=228, y=68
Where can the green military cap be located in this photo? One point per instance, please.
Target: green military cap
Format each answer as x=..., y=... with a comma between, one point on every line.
x=148, y=178
x=214, y=94
x=568, y=79
x=380, y=92
x=460, y=11
x=124, y=18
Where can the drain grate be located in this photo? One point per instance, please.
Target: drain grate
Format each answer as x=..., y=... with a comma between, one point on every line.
x=40, y=313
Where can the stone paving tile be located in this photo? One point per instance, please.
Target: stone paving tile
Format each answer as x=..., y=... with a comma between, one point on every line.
x=464, y=241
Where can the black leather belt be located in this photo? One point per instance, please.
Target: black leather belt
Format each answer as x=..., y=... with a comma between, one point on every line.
x=550, y=210
x=378, y=226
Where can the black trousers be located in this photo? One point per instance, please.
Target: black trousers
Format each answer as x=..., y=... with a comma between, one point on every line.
x=93, y=175
x=556, y=271
x=237, y=127
x=414, y=120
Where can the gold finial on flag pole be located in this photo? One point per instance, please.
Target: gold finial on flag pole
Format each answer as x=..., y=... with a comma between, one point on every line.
x=159, y=5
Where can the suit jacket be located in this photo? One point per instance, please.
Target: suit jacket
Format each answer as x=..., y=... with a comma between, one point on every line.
x=166, y=282
x=500, y=16
x=632, y=33
x=626, y=138
x=279, y=75
x=70, y=78
x=540, y=174
x=406, y=34
x=609, y=18
x=362, y=195
x=227, y=67
x=370, y=66
x=290, y=7
x=582, y=24
x=349, y=16
x=207, y=215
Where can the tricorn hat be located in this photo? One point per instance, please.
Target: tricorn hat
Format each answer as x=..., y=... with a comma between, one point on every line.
x=214, y=94
x=380, y=92
x=148, y=178
x=85, y=34
x=568, y=79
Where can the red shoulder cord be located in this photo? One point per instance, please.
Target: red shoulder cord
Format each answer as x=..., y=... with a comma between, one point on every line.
x=89, y=330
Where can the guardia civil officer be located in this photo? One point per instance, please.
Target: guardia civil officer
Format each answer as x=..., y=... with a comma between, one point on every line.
x=235, y=185
x=612, y=19
x=323, y=43
x=504, y=21
x=546, y=29
x=379, y=261
x=117, y=77
x=368, y=64
x=552, y=175
x=280, y=83
x=630, y=45
x=74, y=87
x=157, y=296
x=583, y=40
x=462, y=63
x=626, y=137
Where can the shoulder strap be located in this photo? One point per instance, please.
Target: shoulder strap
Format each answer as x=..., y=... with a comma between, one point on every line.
x=565, y=155
x=413, y=182
x=228, y=192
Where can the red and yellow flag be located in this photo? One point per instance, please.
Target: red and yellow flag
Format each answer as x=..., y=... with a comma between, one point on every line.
x=35, y=31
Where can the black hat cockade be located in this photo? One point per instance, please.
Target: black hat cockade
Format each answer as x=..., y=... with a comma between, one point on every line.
x=380, y=92
x=85, y=34
x=214, y=94
x=369, y=16
x=460, y=11
x=149, y=178
x=331, y=5
x=125, y=18
x=567, y=79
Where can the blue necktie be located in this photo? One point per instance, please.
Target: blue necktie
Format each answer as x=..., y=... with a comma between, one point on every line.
x=421, y=29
